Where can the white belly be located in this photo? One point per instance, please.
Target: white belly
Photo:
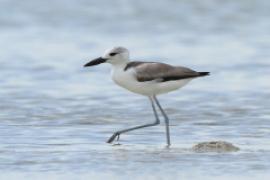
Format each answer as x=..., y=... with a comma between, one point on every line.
x=127, y=80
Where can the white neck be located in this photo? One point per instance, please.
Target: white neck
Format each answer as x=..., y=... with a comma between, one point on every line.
x=119, y=64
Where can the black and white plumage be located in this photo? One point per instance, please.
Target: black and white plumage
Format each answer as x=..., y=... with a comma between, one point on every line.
x=145, y=78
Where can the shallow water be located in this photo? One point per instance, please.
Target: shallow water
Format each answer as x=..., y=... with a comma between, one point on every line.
x=55, y=116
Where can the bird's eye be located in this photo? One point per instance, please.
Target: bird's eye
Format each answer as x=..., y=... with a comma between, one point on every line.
x=113, y=54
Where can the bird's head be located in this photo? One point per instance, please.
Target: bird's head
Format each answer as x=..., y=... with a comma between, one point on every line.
x=116, y=55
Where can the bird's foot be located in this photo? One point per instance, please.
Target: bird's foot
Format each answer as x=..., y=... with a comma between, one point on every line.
x=112, y=138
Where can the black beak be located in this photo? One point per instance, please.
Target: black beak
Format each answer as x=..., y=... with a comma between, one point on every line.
x=95, y=62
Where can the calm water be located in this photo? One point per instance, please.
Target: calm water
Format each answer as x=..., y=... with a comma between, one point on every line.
x=55, y=116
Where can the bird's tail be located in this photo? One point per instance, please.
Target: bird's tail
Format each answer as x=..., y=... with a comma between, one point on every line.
x=204, y=73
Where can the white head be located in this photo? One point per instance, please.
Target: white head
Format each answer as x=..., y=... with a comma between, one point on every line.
x=114, y=56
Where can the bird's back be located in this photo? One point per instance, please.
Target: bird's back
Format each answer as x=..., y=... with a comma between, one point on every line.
x=149, y=71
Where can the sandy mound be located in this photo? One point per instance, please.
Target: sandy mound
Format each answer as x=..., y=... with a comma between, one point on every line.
x=215, y=146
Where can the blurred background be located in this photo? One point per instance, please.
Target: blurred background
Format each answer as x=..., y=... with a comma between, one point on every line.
x=55, y=116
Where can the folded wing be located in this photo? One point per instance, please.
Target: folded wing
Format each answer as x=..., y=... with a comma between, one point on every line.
x=161, y=72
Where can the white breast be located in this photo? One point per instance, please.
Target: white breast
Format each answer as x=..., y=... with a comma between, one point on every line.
x=125, y=79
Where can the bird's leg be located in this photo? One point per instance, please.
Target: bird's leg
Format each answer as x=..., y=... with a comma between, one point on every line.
x=118, y=133
x=166, y=121
x=115, y=135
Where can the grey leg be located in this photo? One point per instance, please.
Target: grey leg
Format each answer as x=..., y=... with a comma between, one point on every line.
x=117, y=134
x=166, y=121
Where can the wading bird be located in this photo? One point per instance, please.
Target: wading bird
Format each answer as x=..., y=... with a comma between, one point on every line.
x=146, y=78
